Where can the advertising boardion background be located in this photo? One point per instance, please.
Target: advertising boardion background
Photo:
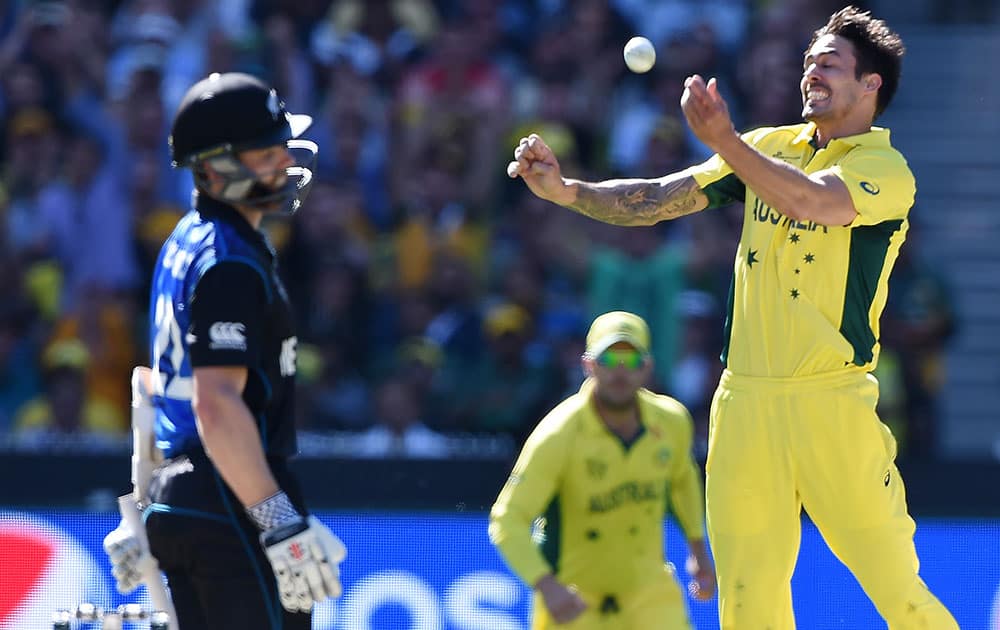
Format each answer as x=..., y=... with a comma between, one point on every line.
x=438, y=571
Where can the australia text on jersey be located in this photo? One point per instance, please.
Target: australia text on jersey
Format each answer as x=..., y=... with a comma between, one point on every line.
x=627, y=492
x=764, y=213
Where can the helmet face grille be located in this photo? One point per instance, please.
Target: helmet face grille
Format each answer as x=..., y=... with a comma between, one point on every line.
x=226, y=113
x=241, y=186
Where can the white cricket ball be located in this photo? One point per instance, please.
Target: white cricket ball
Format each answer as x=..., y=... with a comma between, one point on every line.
x=639, y=55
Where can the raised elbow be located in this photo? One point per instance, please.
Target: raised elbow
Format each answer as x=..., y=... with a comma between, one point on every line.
x=823, y=210
x=800, y=207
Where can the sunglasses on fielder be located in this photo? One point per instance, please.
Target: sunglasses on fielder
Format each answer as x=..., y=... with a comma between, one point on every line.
x=628, y=359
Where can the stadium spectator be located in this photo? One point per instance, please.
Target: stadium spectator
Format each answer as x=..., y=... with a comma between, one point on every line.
x=65, y=407
x=20, y=381
x=507, y=388
x=399, y=431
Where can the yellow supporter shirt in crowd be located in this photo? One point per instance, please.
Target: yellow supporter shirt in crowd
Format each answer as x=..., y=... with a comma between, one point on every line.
x=806, y=298
x=603, y=503
x=97, y=417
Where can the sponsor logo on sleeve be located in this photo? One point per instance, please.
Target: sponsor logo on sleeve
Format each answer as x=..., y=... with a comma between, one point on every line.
x=870, y=188
x=227, y=336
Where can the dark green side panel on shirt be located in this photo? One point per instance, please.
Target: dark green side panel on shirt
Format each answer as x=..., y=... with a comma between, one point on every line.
x=552, y=543
x=869, y=247
x=727, y=190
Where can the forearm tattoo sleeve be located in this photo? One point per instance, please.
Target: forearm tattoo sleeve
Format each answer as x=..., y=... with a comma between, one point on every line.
x=639, y=201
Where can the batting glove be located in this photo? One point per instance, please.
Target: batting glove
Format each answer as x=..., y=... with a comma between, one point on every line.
x=305, y=556
x=129, y=554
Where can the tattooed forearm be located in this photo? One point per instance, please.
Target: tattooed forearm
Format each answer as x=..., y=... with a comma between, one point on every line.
x=639, y=201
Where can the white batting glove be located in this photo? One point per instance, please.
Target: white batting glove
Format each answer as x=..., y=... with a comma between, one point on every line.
x=129, y=554
x=305, y=556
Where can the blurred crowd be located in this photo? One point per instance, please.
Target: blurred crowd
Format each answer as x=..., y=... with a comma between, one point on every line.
x=435, y=296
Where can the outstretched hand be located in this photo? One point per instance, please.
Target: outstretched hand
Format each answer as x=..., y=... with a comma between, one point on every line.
x=706, y=112
x=537, y=165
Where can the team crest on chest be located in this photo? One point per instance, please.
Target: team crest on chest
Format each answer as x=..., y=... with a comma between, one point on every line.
x=662, y=456
x=596, y=469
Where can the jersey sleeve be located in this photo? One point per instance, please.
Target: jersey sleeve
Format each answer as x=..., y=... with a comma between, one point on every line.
x=880, y=183
x=687, y=497
x=528, y=491
x=718, y=181
x=227, y=306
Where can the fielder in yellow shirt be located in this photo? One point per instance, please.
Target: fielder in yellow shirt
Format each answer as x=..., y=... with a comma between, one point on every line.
x=793, y=423
x=596, y=478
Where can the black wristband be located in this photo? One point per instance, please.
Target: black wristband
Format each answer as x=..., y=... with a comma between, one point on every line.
x=284, y=531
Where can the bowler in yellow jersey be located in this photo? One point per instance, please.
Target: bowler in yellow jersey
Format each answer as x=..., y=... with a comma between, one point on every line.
x=793, y=422
x=595, y=479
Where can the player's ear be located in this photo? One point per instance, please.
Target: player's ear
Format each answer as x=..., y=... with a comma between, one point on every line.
x=647, y=367
x=208, y=178
x=205, y=174
x=872, y=82
x=587, y=363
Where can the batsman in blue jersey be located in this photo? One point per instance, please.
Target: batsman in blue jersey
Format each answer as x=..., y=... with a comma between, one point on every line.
x=225, y=519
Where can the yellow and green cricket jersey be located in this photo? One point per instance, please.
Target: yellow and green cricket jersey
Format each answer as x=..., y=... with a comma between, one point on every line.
x=806, y=298
x=602, y=503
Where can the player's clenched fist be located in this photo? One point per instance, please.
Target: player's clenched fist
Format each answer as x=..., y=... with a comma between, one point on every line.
x=563, y=602
x=537, y=165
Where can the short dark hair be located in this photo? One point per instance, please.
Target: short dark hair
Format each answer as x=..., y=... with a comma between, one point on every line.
x=877, y=48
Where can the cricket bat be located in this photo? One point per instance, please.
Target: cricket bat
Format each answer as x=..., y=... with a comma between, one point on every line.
x=143, y=462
